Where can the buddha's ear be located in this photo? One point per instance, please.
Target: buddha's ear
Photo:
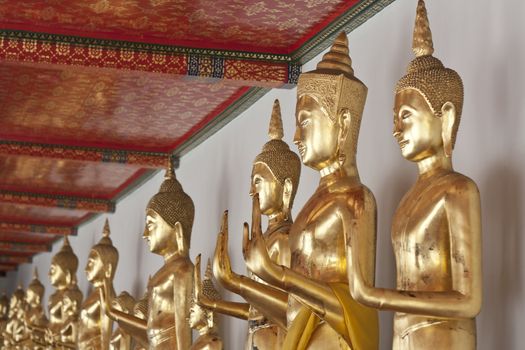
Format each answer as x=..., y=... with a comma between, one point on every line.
x=287, y=197
x=69, y=278
x=179, y=235
x=344, y=118
x=109, y=270
x=448, y=120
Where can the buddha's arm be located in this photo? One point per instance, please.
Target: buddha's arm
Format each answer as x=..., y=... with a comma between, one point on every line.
x=182, y=293
x=128, y=322
x=270, y=301
x=462, y=206
x=317, y=294
x=106, y=323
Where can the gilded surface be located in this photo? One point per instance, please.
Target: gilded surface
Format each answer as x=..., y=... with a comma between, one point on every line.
x=169, y=220
x=65, y=302
x=35, y=319
x=436, y=230
x=203, y=319
x=275, y=176
x=14, y=331
x=326, y=137
x=95, y=328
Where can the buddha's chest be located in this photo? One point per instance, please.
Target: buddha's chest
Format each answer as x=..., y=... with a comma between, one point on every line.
x=317, y=244
x=421, y=241
x=90, y=313
x=161, y=299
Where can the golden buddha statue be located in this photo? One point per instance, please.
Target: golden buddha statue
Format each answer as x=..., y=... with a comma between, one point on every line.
x=121, y=340
x=202, y=319
x=4, y=312
x=64, y=304
x=169, y=220
x=320, y=312
x=95, y=328
x=436, y=230
x=34, y=316
x=275, y=177
x=14, y=331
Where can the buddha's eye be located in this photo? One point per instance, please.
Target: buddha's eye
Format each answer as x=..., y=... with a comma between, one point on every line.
x=257, y=181
x=405, y=114
x=305, y=122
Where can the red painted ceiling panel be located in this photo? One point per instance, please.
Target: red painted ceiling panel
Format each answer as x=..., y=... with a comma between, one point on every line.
x=65, y=177
x=84, y=107
x=258, y=25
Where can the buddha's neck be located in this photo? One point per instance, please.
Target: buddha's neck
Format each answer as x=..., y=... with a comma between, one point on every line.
x=276, y=220
x=348, y=169
x=178, y=254
x=434, y=164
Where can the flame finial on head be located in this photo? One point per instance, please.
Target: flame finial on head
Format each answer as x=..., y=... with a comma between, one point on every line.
x=276, y=123
x=170, y=171
x=35, y=273
x=338, y=57
x=106, y=231
x=422, y=44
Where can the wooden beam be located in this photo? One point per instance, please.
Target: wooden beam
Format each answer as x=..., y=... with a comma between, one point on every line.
x=242, y=68
x=7, y=259
x=37, y=228
x=24, y=248
x=58, y=201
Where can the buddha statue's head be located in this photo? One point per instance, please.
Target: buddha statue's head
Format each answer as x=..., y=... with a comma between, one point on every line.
x=4, y=306
x=428, y=101
x=330, y=103
x=102, y=259
x=276, y=170
x=169, y=218
x=35, y=291
x=200, y=317
x=64, y=265
x=16, y=303
x=124, y=302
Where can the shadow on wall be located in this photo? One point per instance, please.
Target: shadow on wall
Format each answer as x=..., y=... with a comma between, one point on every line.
x=502, y=208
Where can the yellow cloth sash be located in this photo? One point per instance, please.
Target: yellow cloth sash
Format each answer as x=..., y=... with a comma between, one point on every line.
x=361, y=324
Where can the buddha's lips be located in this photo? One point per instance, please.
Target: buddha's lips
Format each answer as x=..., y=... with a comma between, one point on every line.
x=403, y=143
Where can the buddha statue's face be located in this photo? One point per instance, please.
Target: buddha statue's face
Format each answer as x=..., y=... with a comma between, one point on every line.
x=158, y=234
x=95, y=269
x=316, y=135
x=416, y=128
x=32, y=297
x=197, y=317
x=57, y=275
x=14, y=305
x=268, y=188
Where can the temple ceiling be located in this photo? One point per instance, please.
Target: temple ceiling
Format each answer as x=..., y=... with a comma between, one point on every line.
x=98, y=95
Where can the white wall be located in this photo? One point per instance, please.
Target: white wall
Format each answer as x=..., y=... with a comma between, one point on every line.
x=484, y=41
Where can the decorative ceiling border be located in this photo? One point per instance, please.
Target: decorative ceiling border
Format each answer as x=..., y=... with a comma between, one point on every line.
x=28, y=47
x=141, y=47
x=91, y=154
x=347, y=22
x=58, y=201
x=24, y=248
x=35, y=228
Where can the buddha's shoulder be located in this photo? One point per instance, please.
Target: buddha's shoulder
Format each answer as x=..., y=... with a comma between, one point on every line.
x=457, y=183
x=177, y=268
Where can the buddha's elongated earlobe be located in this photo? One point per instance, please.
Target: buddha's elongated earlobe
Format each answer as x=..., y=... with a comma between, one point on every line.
x=448, y=116
x=287, y=195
